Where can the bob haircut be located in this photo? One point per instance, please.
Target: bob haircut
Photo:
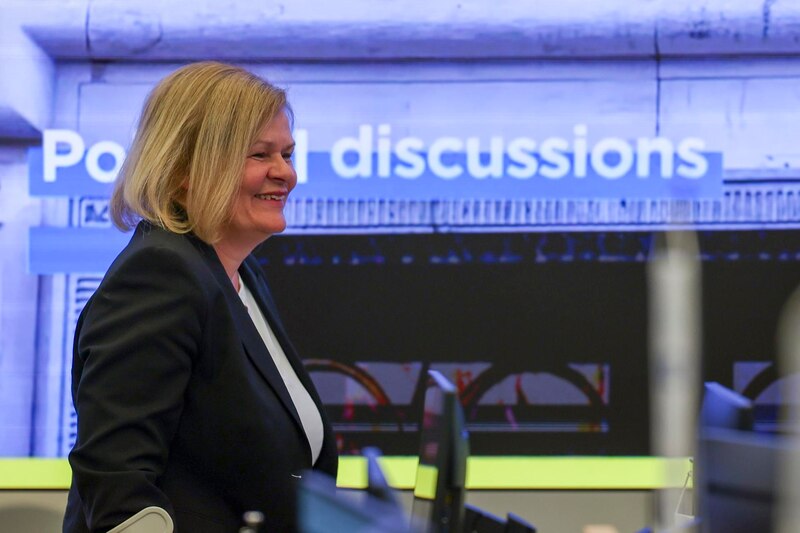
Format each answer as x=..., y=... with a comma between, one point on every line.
x=187, y=159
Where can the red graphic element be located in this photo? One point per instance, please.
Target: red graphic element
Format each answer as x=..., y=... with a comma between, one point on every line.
x=521, y=397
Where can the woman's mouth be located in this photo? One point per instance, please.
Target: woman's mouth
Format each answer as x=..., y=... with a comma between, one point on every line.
x=276, y=197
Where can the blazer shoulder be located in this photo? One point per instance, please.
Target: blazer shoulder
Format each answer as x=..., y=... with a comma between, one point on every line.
x=157, y=259
x=171, y=250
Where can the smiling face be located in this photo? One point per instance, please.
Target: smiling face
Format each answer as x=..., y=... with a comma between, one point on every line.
x=269, y=177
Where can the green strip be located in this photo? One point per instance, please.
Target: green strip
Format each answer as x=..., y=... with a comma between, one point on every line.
x=427, y=477
x=535, y=472
x=34, y=474
x=503, y=472
x=576, y=472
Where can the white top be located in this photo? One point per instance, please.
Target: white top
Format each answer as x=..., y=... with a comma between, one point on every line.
x=306, y=408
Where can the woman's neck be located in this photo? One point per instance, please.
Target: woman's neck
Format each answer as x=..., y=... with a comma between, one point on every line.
x=231, y=258
x=232, y=249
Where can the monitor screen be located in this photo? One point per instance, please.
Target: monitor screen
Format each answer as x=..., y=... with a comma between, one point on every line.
x=443, y=451
x=377, y=485
x=725, y=408
x=737, y=487
x=323, y=508
x=736, y=467
x=477, y=520
x=516, y=524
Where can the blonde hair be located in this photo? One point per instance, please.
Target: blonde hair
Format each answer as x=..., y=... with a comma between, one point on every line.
x=186, y=162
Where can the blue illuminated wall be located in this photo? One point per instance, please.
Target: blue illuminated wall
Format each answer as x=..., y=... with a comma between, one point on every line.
x=507, y=143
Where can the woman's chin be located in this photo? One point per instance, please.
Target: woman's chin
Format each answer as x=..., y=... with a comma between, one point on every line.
x=273, y=228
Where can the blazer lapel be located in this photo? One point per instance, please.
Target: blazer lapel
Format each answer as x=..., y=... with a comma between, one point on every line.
x=251, y=339
x=252, y=274
x=258, y=286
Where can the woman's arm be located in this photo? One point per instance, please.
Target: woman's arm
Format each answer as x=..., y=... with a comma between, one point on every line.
x=134, y=351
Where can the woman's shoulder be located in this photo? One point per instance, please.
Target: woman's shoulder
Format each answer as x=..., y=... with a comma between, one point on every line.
x=151, y=240
x=149, y=236
x=159, y=253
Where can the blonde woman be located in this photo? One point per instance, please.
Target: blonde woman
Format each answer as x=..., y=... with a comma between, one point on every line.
x=190, y=397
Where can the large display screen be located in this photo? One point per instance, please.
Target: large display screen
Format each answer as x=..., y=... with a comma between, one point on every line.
x=490, y=219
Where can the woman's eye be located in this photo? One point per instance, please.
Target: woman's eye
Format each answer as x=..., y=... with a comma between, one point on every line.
x=258, y=155
x=288, y=156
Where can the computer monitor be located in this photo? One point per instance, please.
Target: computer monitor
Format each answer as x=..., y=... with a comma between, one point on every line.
x=377, y=486
x=323, y=508
x=516, y=524
x=739, y=472
x=476, y=520
x=736, y=468
x=724, y=408
x=443, y=451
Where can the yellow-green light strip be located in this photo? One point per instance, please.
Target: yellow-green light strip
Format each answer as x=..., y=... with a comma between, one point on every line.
x=483, y=472
x=536, y=472
x=34, y=474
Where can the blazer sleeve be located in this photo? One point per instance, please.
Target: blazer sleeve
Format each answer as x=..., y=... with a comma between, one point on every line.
x=134, y=352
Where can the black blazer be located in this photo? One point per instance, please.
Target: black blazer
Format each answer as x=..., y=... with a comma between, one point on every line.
x=179, y=402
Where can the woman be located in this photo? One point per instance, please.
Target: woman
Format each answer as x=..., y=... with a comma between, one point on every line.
x=189, y=395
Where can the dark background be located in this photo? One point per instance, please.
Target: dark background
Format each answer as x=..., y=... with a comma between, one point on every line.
x=526, y=302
